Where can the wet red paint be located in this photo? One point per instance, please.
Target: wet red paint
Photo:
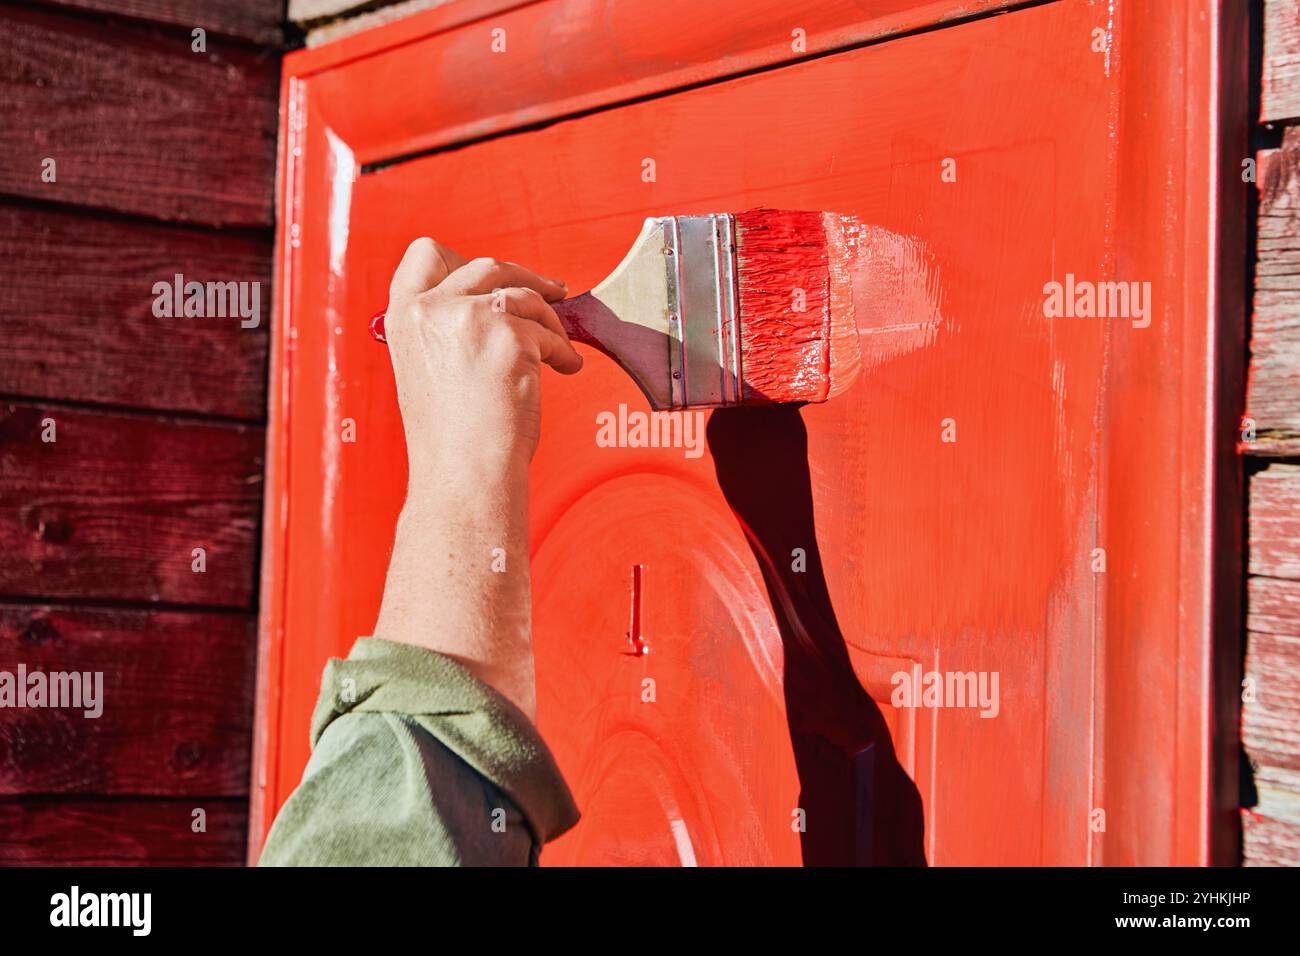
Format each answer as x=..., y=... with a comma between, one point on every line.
x=376, y=327
x=809, y=555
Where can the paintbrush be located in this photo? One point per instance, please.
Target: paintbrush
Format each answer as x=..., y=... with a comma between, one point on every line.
x=749, y=308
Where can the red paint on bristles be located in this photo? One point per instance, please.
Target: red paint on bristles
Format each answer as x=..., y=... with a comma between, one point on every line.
x=798, y=338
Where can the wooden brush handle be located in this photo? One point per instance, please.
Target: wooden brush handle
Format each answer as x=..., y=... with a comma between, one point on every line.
x=576, y=315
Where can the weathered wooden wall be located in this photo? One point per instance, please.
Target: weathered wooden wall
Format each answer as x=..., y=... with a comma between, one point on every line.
x=1271, y=440
x=163, y=164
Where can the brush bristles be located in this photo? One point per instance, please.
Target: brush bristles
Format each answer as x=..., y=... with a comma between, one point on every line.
x=795, y=305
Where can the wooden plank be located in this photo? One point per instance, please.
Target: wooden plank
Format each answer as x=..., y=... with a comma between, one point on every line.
x=88, y=832
x=1271, y=711
x=1281, y=87
x=1273, y=448
x=115, y=506
x=1268, y=841
x=174, y=703
x=76, y=300
x=327, y=20
x=135, y=121
x=1274, y=606
x=255, y=20
x=328, y=30
x=1270, y=722
x=313, y=11
x=1273, y=392
x=1274, y=522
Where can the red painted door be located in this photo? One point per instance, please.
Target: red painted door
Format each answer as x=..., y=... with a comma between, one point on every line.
x=986, y=504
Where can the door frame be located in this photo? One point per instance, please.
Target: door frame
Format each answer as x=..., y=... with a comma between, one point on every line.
x=335, y=125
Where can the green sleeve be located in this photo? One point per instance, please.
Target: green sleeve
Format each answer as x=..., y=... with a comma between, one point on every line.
x=417, y=763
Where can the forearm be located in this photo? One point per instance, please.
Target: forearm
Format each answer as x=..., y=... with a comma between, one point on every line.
x=421, y=757
x=458, y=581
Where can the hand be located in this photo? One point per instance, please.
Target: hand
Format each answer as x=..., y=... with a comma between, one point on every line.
x=467, y=342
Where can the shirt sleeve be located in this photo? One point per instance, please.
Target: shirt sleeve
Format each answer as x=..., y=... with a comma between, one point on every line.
x=415, y=762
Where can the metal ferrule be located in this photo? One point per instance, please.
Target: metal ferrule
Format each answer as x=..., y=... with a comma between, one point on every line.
x=703, y=322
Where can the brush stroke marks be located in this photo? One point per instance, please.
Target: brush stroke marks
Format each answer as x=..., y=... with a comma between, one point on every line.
x=897, y=293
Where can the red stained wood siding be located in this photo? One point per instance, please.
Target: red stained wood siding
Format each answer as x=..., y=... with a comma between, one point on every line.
x=77, y=831
x=177, y=703
x=114, y=508
x=1271, y=693
x=257, y=21
x=1281, y=79
x=1271, y=444
x=86, y=332
x=158, y=421
x=1271, y=403
x=183, y=135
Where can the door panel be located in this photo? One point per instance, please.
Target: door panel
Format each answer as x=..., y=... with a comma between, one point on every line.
x=905, y=561
x=943, y=515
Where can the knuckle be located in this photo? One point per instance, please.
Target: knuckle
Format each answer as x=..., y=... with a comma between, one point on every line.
x=507, y=339
x=411, y=316
x=463, y=313
x=422, y=308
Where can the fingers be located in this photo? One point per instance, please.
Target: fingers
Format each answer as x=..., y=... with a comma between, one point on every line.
x=512, y=289
x=542, y=325
x=425, y=265
x=528, y=304
x=481, y=276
